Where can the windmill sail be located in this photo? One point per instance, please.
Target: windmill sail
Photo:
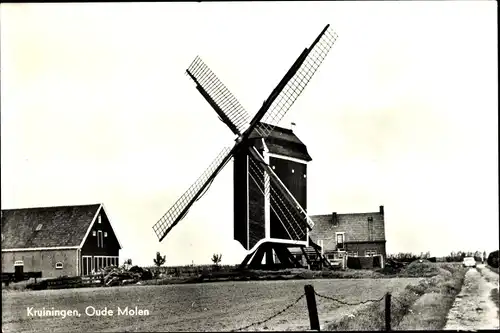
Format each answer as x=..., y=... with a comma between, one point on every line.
x=218, y=96
x=182, y=205
x=290, y=217
x=288, y=201
x=294, y=87
x=286, y=209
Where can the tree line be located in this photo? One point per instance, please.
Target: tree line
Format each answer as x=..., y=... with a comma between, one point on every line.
x=452, y=257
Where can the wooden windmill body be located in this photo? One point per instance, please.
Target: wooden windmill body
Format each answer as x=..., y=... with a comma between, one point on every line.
x=270, y=164
x=255, y=220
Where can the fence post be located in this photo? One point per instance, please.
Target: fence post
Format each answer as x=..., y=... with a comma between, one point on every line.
x=388, y=311
x=311, y=306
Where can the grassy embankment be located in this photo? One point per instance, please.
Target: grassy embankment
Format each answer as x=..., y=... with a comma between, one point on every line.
x=254, y=275
x=491, y=275
x=423, y=306
x=493, y=269
x=247, y=275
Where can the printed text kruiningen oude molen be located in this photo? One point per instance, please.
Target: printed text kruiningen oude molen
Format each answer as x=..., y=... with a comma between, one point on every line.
x=89, y=311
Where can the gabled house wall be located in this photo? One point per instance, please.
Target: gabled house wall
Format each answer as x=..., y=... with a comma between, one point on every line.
x=44, y=261
x=110, y=246
x=58, y=241
x=363, y=233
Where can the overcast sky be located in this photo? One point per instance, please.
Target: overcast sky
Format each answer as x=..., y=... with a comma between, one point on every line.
x=96, y=107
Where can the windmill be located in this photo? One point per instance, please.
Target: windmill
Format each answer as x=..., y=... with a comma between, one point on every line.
x=269, y=214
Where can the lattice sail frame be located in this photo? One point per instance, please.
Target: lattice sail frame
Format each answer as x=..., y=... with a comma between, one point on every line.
x=235, y=116
x=223, y=98
x=178, y=210
x=297, y=83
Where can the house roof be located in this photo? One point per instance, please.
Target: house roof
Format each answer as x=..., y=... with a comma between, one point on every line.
x=282, y=141
x=63, y=226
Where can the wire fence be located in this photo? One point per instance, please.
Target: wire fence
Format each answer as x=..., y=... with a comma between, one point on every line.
x=288, y=307
x=347, y=303
x=273, y=316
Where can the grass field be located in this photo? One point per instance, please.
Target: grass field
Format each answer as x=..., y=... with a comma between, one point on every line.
x=218, y=306
x=422, y=306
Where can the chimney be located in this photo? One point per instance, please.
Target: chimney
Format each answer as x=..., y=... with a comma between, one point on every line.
x=334, y=218
x=381, y=210
x=292, y=125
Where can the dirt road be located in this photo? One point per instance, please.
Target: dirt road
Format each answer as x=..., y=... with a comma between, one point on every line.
x=474, y=307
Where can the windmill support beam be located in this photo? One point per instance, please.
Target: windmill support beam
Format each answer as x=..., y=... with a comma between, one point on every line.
x=269, y=257
x=306, y=256
x=254, y=260
x=318, y=251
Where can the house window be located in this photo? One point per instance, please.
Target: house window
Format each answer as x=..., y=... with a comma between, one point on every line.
x=370, y=219
x=352, y=253
x=105, y=234
x=18, y=263
x=305, y=176
x=59, y=265
x=340, y=240
x=93, y=233
x=293, y=171
x=87, y=265
x=370, y=253
x=273, y=167
x=99, y=220
x=38, y=227
x=330, y=256
x=99, y=239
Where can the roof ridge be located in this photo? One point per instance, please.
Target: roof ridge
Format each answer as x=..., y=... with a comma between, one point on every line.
x=345, y=213
x=61, y=225
x=279, y=127
x=62, y=206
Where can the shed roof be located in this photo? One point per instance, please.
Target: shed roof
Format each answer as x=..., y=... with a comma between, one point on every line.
x=282, y=141
x=58, y=226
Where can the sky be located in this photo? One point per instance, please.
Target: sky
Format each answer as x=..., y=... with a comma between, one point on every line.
x=96, y=108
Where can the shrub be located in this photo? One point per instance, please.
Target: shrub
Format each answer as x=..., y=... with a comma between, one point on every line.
x=41, y=285
x=420, y=268
x=403, y=257
x=159, y=260
x=493, y=259
x=363, y=262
